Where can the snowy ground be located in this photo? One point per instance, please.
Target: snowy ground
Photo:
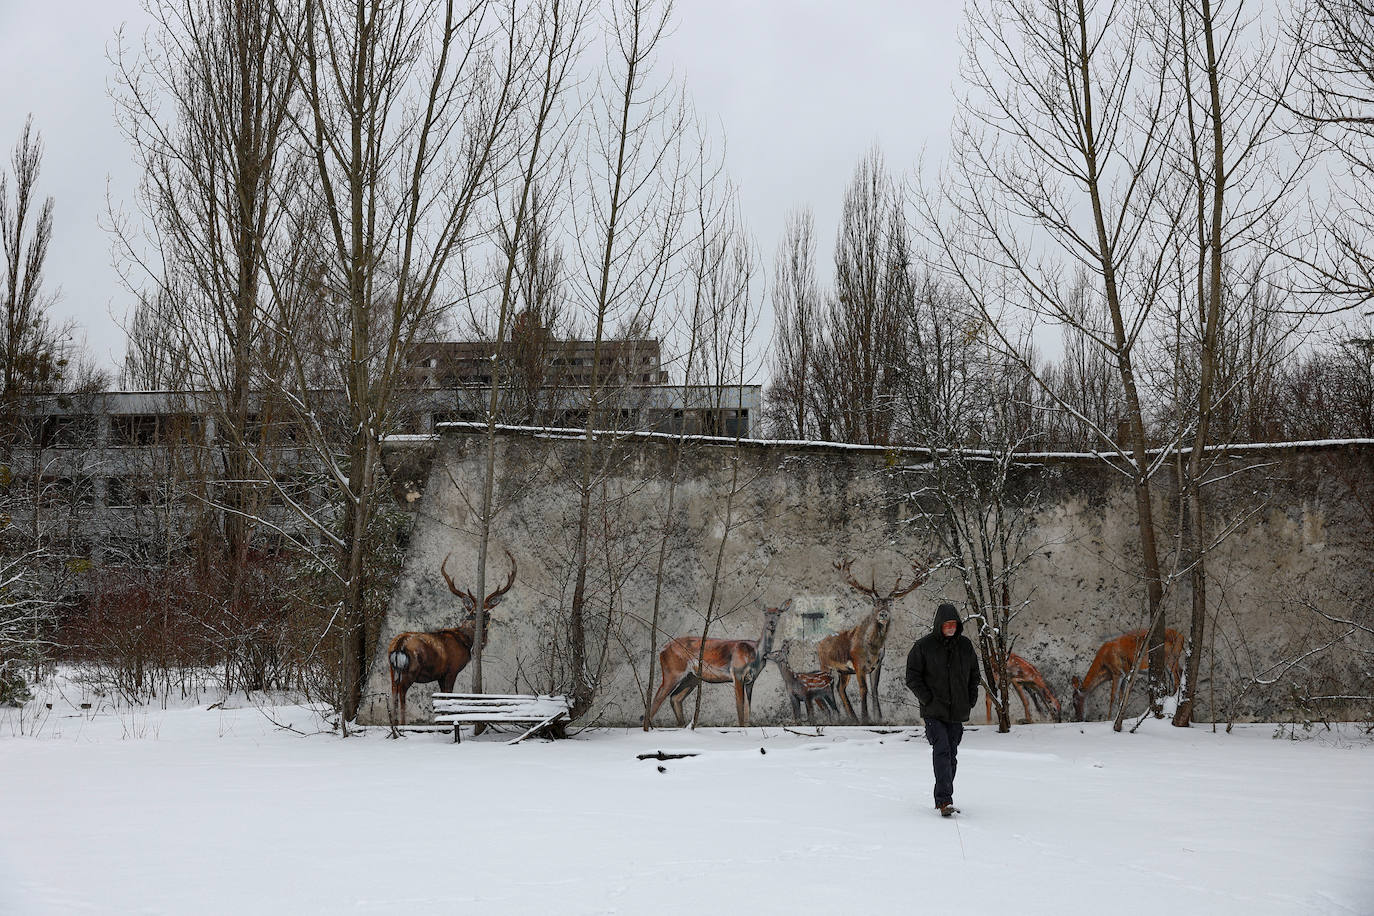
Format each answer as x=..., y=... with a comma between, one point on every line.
x=217, y=811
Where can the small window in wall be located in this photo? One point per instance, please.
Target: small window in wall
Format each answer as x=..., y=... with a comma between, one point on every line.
x=67, y=432
x=69, y=491
x=813, y=623
x=460, y=416
x=127, y=492
x=134, y=429
x=736, y=422
x=181, y=427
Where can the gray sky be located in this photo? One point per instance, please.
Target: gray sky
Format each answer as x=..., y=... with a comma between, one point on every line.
x=800, y=88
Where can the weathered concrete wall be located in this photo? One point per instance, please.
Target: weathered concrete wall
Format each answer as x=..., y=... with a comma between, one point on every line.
x=1303, y=519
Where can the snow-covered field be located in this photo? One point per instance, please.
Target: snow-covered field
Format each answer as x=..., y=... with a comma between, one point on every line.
x=202, y=810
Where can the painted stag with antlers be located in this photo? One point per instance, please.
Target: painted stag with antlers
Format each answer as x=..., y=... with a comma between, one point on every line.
x=858, y=651
x=439, y=655
x=687, y=661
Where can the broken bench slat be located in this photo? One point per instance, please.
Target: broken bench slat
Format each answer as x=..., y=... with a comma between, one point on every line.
x=498, y=707
x=479, y=697
x=488, y=717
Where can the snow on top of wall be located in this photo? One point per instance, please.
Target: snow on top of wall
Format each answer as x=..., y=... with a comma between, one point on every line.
x=556, y=432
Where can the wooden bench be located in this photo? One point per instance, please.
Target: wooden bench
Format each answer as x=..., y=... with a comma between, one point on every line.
x=495, y=709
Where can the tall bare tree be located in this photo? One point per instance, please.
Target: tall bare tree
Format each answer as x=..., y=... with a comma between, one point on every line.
x=32, y=349
x=406, y=114
x=864, y=325
x=1059, y=159
x=958, y=399
x=692, y=305
x=40, y=506
x=539, y=148
x=629, y=220
x=207, y=103
x=1336, y=98
x=1226, y=148
x=725, y=271
x=796, y=300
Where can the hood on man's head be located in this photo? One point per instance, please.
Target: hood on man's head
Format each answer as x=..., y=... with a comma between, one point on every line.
x=945, y=612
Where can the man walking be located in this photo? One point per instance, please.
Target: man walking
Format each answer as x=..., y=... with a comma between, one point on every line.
x=942, y=670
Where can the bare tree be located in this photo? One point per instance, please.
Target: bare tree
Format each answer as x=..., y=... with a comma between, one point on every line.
x=796, y=300
x=1335, y=96
x=207, y=103
x=539, y=346
x=539, y=148
x=1329, y=393
x=33, y=351
x=693, y=304
x=1226, y=149
x=154, y=360
x=40, y=502
x=629, y=221
x=1086, y=377
x=1059, y=158
x=406, y=110
x=864, y=325
x=725, y=269
x=957, y=398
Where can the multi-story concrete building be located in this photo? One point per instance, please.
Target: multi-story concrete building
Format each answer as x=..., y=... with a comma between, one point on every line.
x=554, y=363
x=132, y=470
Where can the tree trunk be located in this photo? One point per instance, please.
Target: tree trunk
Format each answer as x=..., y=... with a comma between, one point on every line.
x=1210, y=309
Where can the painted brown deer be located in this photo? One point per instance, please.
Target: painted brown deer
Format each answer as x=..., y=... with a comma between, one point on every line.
x=1116, y=658
x=722, y=661
x=809, y=687
x=1026, y=680
x=439, y=655
x=858, y=651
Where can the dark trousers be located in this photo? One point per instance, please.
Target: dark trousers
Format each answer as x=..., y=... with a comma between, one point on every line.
x=944, y=738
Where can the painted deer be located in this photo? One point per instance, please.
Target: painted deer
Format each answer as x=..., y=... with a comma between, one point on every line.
x=858, y=651
x=1116, y=658
x=722, y=661
x=1026, y=680
x=439, y=655
x=809, y=687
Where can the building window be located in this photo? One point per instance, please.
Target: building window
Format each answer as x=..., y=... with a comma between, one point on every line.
x=127, y=492
x=65, y=432
x=134, y=429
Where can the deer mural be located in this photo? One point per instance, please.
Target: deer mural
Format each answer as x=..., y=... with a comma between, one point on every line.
x=439, y=655
x=1025, y=679
x=1116, y=658
x=688, y=660
x=809, y=687
x=858, y=651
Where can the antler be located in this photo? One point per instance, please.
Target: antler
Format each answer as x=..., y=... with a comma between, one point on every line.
x=510, y=580
x=854, y=583
x=897, y=589
x=921, y=576
x=466, y=596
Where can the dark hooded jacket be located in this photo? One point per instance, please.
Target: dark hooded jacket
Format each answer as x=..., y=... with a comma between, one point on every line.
x=943, y=671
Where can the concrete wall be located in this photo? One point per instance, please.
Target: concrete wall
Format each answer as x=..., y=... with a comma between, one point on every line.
x=1303, y=520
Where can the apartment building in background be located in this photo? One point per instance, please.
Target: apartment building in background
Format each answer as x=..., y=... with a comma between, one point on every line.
x=130, y=469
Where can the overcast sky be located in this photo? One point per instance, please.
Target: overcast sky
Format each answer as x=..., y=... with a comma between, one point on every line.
x=800, y=88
